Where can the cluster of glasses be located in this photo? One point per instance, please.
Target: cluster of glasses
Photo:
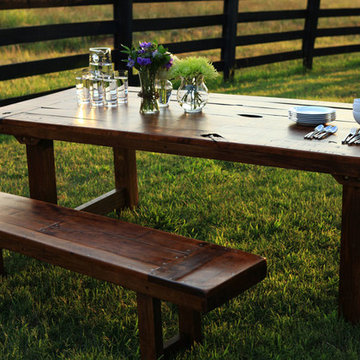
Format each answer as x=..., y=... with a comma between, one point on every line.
x=99, y=85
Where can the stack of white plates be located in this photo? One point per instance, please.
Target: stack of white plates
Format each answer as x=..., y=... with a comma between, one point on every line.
x=311, y=115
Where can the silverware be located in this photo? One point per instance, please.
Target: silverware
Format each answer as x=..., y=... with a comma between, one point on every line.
x=311, y=134
x=320, y=134
x=349, y=136
x=329, y=130
x=354, y=139
x=353, y=133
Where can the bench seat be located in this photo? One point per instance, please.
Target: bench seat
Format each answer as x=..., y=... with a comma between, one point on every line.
x=195, y=275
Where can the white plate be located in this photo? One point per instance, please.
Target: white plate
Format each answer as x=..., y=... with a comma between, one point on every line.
x=311, y=115
x=312, y=110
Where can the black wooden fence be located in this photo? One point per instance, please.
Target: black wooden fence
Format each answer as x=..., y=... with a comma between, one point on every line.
x=122, y=27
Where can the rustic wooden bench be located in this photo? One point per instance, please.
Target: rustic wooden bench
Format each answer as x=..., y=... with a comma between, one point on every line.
x=195, y=275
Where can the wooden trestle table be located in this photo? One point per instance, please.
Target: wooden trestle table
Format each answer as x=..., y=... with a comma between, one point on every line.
x=248, y=129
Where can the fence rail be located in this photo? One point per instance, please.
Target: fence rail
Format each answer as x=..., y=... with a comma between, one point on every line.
x=122, y=27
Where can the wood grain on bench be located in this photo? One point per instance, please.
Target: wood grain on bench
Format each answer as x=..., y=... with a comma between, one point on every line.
x=195, y=275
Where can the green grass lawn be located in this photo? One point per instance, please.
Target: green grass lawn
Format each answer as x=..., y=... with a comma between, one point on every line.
x=291, y=217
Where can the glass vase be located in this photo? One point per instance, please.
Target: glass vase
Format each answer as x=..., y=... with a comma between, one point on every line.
x=149, y=104
x=164, y=88
x=192, y=94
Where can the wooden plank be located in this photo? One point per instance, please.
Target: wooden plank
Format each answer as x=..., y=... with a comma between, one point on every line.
x=41, y=171
x=31, y=4
x=128, y=245
x=176, y=23
x=311, y=22
x=161, y=1
x=194, y=45
x=52, y=32
x=13, y=100
x=106, y=234
x=229, y=30
x=183, y=266
x=123, y=15
x=268, y=38
x=150, y=328
x=38, y=67
x=340, y=31
x=99, y=264
x=213, y=276
x=333, y=50
x=101, y=247
x=235, y=118
x=339, y=12
x=106, y=203
x=221, y=275
x=70, y=255
x=112, y=250
x=269, y=59
x=259, y=16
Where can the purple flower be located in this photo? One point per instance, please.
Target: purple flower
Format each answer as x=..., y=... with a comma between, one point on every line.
x=142, y=51
x=154, y=53
x=145, y=45
x=143, y=61
x=130, y=63
x=169, y=64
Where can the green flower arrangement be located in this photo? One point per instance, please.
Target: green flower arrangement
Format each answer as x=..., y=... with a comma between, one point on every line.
x=192, y=94
x=193, y=67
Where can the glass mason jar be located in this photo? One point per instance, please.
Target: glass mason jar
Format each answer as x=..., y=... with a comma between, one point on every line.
x=192, y=94
x=164, y=88
x=148, y=94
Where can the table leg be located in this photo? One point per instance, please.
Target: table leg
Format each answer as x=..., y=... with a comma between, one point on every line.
x=41, y=169
x=349, y=288
x=126, y=175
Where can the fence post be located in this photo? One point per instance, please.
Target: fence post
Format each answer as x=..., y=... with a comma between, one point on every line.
x=228, y=51
x=123, y=16
x=311, y=22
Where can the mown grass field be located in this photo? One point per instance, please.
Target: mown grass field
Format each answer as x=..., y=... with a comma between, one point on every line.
x=291, y=217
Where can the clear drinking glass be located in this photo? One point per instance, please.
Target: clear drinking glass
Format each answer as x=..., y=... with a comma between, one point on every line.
x=100, y=61
x=164, y=88
x=110, y=91
x=96, y=90
x=121, y=77
x=82, y=86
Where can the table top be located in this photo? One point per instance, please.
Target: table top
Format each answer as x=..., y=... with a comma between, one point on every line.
x=248, y=129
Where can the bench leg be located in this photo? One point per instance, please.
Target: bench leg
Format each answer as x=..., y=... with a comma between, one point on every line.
x=190, y=325
x=189, y=331
x=150, y=327
x=126, y=175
